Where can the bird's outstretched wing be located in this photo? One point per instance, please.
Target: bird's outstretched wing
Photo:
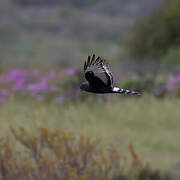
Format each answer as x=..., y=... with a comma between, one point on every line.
x=100, y=70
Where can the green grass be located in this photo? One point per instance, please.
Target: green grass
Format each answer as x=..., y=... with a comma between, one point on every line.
x=151, y=125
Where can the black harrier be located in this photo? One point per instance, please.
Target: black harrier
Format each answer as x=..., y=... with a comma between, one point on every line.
x=100, y=79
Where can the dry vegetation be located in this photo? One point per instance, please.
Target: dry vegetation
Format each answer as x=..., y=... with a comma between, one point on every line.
x=52, y=154
x=151, y=125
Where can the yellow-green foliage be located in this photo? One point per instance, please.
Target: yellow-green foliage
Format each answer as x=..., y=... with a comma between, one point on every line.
x=58, y=155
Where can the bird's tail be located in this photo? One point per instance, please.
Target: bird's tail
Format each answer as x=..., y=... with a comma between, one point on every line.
x=125, y=91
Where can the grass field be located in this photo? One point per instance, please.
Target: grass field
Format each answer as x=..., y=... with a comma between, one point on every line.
x=151, y=125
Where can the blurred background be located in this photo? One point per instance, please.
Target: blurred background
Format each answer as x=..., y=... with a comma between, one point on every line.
x=43, y=45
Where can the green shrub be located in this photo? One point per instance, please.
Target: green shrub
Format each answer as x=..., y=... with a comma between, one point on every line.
x=154, y=35
x=146, y=84
x=172, y=57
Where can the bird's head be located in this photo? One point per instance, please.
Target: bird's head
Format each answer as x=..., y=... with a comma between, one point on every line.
x=89, y=75
x=85, y=86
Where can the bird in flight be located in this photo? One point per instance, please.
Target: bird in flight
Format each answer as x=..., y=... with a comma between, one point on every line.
x=100, y=79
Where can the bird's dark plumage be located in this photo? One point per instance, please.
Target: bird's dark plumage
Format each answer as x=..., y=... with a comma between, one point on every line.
x=99, y=77
x=97, y=73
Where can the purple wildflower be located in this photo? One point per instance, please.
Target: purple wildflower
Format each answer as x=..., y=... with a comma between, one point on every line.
x=35, y=73
x=51, y=75
x=41, y=86
x=70, y=71
x=173, y=83
x=58, y=100
x=175, y=80
x=17, y=74
x=3, y=99
x=53, y=88
x=161, y=90
x=19, y=85
x=4, y=92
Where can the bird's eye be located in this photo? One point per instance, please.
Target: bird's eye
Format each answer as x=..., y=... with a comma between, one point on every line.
x=90, y=73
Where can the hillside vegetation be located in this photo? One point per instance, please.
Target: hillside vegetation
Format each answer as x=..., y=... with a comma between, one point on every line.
x=33, y=32
x=158, y=36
